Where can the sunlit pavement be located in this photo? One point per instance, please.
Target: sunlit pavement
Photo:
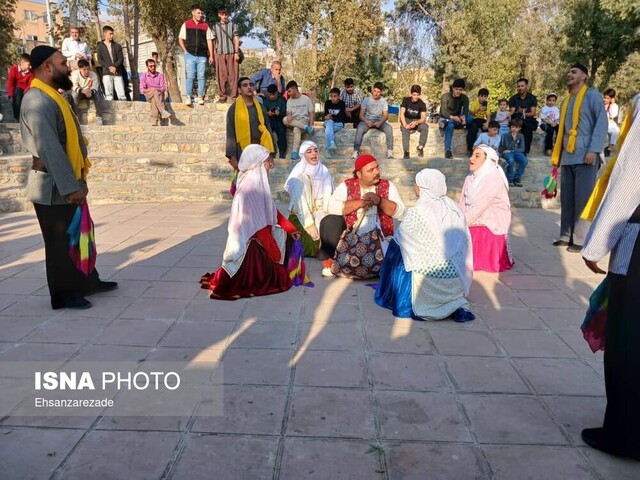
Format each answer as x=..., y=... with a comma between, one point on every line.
x=318, y=383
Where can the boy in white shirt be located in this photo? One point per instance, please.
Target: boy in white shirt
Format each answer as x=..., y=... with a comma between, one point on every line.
x=549, y=120
x=86, y=86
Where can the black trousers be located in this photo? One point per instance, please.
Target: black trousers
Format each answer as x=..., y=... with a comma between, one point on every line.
x=16, y=102
x=528, y=127
x=355, y=118
x=549, y=133
x=473, y=128
x=622, y=358
x=64, y=279
x=331, y=228
x=279, y=129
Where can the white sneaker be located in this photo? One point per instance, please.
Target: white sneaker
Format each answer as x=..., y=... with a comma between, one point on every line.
x=326, y=272
x=389, y=153
x=98, y=120
x=165, y=114
x=200, y=100
x=355, y=155
x=187, y=100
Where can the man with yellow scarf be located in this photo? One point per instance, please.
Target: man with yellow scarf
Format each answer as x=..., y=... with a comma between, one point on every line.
x=581, y=137
x=57, y=180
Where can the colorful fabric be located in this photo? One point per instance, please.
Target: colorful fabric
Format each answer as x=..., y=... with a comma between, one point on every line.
x=79, y=162
x=234, y=184
x=358, y=256
x=595, y=322
x=309, y=245
x=82, y=243
x=491, y=252
x=573, y=133
x=354, y=193
x=243, y=131
x=296, y=267
x=551, y=184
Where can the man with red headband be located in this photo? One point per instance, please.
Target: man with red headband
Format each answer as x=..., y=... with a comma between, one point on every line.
x=366, y=194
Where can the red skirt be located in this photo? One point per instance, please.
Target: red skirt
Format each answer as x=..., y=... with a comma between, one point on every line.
x=258, y=275
x=490, y=252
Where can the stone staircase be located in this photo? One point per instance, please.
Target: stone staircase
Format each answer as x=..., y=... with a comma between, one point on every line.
x=183, y=160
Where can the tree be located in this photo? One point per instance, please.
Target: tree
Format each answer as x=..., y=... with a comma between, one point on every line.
x=8, y=44
x=281, y=21
x=132, y=49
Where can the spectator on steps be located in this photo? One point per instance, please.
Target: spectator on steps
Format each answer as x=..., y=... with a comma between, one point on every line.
x=18, y=83
x=153, y=87
x=86, y=86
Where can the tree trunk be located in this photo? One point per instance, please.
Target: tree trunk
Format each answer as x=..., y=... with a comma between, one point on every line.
x=278, y=41
x=73, y=13
x=130, y=53
x=171, y=71
x=95, y=14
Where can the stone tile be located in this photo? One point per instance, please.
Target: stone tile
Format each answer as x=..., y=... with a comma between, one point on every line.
x=579, y=345
x=155, y=309
x=335, y=290
x=194, y=365
x=265, y=335
x=398, y=338
x=320, y=313
x=544, y=344
x=67, y=330
x=103, y=307
x=34, y=453
x=334, y=459
x=131, y=455
x=508, y=318
x=37, y=271
x=452, y=342
x=331, y=369
x=553, y=298
x=331, y=336
x=562, y=318
x=29, y=306
x=417, y=461
x=204, y=454
x=331, y=412
x=133, y=332
x=493, y=294
x=255, y=367
x=112, y=353
x=141, y=273
x=408, y=372
x=529, y=462
x=21, y=286
x=527, y=282
x=576, y=413
x=511, y=420
x=246, y=409
x=551, y=376
x=610, y=467
x=177, y=274
x=484, y=375
x=198, y=335
x=39, y=352
x=182, y=290
x=7, y=301
x=128, y=288
x=421, y=416
x=273, y=310
x=167, y=259
x=213, y=311
x=13, y=329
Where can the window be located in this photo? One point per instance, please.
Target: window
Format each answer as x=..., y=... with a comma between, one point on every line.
x=32, y=38
x=30, y=16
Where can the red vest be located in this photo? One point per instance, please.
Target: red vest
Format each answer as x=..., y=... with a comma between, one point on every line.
x=382, y=190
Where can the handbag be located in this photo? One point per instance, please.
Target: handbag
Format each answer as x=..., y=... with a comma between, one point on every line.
x=358, y=257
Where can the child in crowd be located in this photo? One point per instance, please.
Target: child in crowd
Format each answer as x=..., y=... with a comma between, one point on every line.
x=503, y=116
x=480, y=114
x=334, y=120
x=549, y=120
x=276, y=108
x=512, y=150
x=491, y=137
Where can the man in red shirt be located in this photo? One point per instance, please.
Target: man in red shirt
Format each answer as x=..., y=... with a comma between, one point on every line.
x=18, y=83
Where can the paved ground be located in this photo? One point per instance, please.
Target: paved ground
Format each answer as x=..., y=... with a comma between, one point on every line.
x=320, y=383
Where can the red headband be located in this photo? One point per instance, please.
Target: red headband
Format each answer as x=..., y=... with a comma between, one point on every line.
x=363, y=160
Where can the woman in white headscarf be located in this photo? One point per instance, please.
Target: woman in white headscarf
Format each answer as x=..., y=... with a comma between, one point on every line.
x=486, y=206
x=310, y=187
x=428, y=268
x=260, y=237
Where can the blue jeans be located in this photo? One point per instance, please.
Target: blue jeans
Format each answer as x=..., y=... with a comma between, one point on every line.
x=512, y=158
x=195, y=66
x=330, y=129
x=503, y=129
x=450, y=126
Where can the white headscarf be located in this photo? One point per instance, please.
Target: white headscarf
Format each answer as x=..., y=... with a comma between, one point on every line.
x=434, y=231
x=489, y=165
x=252, y=208
x=318, y=173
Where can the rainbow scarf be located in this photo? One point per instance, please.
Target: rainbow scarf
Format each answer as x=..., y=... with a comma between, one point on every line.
x=296, y=267
x=595, y=322
x=82, y=243
x=573, y=133
x=597, y=195
x=551, y=185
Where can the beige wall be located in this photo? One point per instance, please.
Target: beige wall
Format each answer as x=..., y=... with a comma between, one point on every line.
x=29, y=28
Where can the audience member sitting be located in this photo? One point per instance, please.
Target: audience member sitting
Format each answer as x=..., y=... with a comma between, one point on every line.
x=276, y=108
x=612, y=109
x=454, y=107
x=310, y=187
x=334, y=120
x=480, y=115
x=299, y=116
x=86, y=86
x=524, y=106
x=352, y=98
x=153, y=87
x=549, y=120
x=428, y=267
x=269, y=76
x=486, y=206
x=374, y=113
x=260, y=238
x=503, y=116
x=512, y=146
x=413, y=118
x=19, y=82
x=490, y=137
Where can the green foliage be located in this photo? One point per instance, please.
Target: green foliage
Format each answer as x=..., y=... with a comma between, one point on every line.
x=250, y=66
x=626, y=81
x=8, y=44
x=237, y=11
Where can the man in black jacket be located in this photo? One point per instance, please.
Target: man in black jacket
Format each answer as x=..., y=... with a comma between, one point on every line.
x=111, y=59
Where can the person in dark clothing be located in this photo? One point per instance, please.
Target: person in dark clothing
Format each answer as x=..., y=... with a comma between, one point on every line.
x=276, y=108
x=524, y=105
x=111, y=59
x=413, y=118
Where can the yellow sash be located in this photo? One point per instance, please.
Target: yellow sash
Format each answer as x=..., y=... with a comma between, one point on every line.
x=243, y=130
x=79, y=162
x=573, y=133
x=597, y=195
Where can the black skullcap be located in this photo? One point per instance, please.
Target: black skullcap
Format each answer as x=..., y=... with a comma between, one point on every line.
x=580, y=66
x=459, y=83
x=40, y=54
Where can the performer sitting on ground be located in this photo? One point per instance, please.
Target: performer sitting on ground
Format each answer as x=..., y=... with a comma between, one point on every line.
x=428, y=268
x=367, y=199
x=486, y=206
x=255, y=259
x=310, y=187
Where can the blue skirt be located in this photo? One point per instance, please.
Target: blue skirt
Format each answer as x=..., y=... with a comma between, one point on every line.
x=394, y=287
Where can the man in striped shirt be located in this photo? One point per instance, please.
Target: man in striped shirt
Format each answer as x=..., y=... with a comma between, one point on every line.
x=226, y=44
x=352, y=98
